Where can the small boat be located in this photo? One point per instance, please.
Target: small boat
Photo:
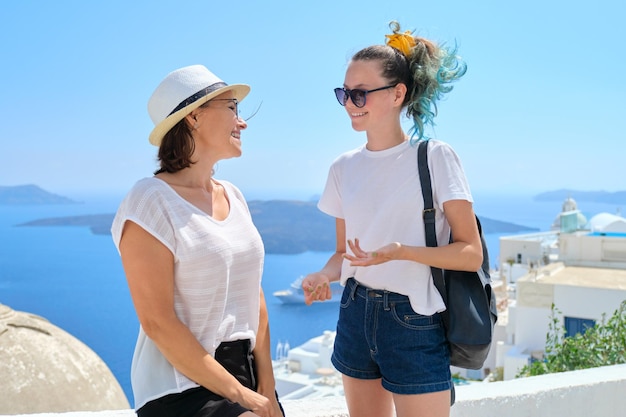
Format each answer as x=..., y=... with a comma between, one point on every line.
x=295, y=294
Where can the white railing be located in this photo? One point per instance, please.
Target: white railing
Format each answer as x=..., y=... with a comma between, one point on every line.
x=586, y=393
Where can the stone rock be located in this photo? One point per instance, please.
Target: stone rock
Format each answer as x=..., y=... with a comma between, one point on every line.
x=45, y=369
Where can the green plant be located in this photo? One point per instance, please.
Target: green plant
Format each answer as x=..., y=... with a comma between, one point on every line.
x=601, y=345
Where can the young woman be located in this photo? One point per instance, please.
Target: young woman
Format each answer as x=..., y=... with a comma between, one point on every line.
x=390, y=344
x=193, y=260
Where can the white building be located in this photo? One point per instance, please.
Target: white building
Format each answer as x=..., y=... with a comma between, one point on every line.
x=580, y=269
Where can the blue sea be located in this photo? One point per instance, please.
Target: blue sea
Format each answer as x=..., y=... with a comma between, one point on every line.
x=75, y=279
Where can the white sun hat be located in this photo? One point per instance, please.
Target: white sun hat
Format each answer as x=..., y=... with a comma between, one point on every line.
x=181, y=92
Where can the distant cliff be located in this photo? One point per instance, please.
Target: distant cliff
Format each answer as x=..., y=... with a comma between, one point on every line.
x=30, y=195
x=99, y=224
x=618, y=197
x=293, y=226
x=287, y=227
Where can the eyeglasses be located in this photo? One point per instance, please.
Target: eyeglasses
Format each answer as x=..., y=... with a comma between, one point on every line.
x=358, y=96
x=233, y=100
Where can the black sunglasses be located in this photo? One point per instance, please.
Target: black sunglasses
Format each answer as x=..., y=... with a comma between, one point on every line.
x=357, y=96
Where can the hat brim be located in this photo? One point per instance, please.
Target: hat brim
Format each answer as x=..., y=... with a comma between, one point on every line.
x=240, y=91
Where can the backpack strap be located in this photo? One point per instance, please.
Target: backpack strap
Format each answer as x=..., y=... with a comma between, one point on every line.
x=429, y=215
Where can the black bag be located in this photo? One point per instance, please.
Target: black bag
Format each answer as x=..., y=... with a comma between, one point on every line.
x=471, y=311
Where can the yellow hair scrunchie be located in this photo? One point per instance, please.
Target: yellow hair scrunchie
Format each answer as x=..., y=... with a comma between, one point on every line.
x=403, y=42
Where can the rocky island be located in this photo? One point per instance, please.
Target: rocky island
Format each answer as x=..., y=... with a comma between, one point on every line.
x=30, y=195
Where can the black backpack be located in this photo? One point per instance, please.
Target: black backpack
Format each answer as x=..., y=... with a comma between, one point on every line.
x=471, y=311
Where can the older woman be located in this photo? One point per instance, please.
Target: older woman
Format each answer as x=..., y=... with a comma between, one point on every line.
x=193, y=260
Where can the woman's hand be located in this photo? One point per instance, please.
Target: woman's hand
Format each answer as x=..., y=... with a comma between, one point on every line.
x=364, y=258
x=316, y=287
x=273, y=399
x=260, y=404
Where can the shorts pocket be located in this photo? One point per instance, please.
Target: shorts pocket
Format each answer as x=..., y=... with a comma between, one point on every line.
x=346, y=298
x=404, y=315
x=348, y=293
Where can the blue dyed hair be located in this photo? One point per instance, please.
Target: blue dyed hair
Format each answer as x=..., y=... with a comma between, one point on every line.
x=428, y=72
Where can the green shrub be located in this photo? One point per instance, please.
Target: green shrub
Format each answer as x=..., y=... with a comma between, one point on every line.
x=601, y=345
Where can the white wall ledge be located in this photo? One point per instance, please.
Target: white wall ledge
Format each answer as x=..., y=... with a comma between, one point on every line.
x=585, y=393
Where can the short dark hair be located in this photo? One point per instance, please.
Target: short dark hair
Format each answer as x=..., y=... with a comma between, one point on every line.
x=176, y=149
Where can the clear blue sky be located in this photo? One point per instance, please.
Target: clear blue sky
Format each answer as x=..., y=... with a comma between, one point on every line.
x=541, y=107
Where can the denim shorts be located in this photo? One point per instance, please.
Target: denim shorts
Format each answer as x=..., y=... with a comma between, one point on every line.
x=380, y=336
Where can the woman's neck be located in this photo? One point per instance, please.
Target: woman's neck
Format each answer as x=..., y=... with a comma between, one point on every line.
x=192, y=177
x=385, y=139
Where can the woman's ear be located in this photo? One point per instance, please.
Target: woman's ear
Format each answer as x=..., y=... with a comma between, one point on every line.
x=192, y=120
x=400, y=92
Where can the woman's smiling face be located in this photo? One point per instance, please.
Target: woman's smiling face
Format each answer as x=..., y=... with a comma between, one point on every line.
x=367, y=75
x=219, y=126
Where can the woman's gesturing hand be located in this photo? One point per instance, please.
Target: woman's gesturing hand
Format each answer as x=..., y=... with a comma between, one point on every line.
x=316, y=287
x=381, y=255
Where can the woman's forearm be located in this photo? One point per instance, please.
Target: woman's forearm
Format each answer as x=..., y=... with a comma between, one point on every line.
x=181, y=348
x=262, y=353
x=332, y=269
x=457, y=256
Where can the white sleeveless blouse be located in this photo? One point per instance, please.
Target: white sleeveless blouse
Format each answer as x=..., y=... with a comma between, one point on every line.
x=217, y=276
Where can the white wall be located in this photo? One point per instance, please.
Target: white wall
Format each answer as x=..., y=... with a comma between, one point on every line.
x=576, y=246
x=587, y=303
x=531, y=327
x=586, y=393
x=531, y=246
x=580, y=247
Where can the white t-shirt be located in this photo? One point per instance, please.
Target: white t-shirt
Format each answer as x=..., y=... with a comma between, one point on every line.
x=379, y=196
x=217, y=276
